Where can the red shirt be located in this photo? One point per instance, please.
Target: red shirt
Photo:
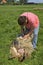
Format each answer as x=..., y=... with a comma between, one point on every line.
x=32, y=19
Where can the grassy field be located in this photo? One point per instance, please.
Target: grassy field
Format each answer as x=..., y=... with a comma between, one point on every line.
x=9, y=30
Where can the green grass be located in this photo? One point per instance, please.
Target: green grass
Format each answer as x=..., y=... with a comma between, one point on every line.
x=9, y=30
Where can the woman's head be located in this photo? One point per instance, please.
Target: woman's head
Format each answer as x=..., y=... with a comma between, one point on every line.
x=22, y=20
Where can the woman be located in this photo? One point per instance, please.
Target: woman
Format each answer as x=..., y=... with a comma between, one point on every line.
x=29, y=23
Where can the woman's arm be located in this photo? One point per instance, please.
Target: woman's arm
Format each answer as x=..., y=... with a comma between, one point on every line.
x=22, y=29
x=30, y=32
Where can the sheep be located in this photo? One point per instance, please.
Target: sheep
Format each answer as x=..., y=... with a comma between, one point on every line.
x=21, y=48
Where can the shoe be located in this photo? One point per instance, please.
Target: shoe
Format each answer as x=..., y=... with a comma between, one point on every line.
x=35, y=49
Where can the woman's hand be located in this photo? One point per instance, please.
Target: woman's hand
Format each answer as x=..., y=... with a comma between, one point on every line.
x=26, y=36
